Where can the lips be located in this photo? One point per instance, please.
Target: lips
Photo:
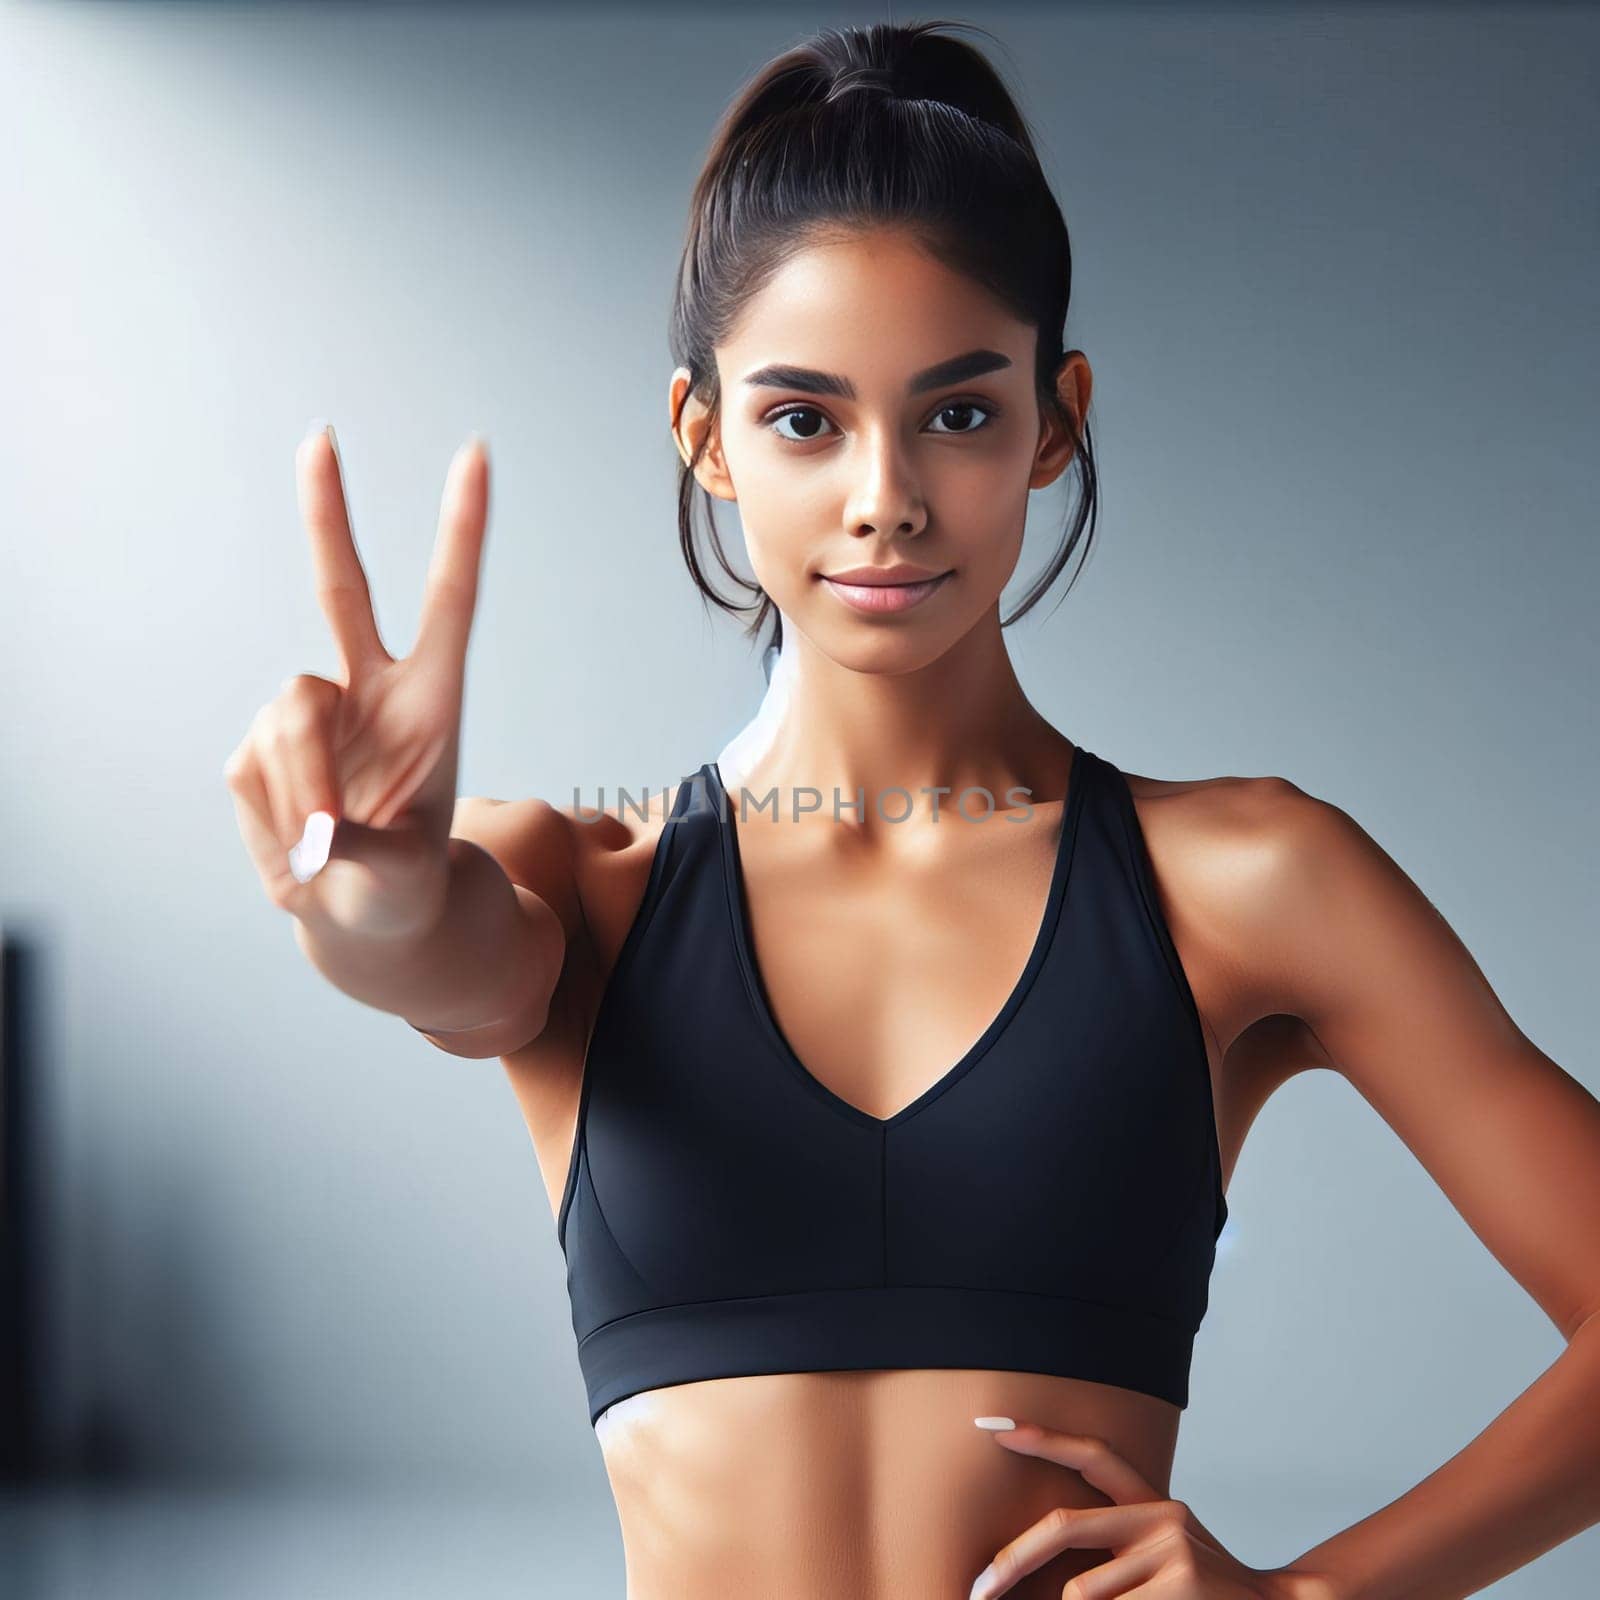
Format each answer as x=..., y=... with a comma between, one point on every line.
x=883, y=595
x=900, y=572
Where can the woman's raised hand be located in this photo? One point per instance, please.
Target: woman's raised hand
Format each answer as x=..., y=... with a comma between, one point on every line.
x=345, y=789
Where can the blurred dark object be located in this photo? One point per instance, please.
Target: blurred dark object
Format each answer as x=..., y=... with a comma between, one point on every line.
x=19, y=1236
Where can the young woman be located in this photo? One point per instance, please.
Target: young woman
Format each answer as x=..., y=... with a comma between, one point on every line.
x=915, y=1111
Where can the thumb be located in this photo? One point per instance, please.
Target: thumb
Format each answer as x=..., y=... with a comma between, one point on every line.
x=389, y=852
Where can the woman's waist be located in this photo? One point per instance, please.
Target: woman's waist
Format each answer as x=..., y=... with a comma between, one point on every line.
x=864, y=1483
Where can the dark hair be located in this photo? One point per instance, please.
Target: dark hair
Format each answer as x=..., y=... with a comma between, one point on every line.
x=892, y=124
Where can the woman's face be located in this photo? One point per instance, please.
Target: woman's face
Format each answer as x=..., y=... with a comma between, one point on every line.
x=845, y=445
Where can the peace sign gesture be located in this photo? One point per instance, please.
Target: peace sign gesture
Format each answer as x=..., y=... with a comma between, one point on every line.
x=345, y=788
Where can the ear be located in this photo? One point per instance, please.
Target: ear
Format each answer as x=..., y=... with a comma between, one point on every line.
x=692, y=425
x=1074, y=383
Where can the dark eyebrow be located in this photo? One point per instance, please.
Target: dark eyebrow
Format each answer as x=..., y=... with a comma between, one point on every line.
x=956, y=370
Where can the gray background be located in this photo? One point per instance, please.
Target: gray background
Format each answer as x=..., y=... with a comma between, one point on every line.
x=1330, y=269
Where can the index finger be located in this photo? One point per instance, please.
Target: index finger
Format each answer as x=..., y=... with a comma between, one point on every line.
x=1096, y=1462
x=341, y=582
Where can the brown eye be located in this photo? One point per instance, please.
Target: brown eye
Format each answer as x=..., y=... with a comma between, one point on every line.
x=797, y=411
x=964, y=408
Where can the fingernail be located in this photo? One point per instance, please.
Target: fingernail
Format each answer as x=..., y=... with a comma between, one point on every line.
x=981, y=1585
x=995, y=1424
x=316, y=426
x=310, y=856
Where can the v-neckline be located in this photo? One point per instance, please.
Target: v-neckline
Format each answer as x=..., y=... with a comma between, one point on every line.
x=744, y=947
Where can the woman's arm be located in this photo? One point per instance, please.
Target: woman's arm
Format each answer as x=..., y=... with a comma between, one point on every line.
x=478, y=982
x=1336, y=934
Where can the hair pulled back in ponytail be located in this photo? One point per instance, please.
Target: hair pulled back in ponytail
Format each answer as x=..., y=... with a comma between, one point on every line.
x=892, y=124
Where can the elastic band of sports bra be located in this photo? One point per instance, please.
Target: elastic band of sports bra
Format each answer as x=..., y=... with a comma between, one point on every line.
x=887, y=1327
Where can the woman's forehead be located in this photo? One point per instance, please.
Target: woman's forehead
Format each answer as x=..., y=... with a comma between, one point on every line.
x=876, y=315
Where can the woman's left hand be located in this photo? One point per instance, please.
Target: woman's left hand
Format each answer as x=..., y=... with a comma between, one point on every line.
x=1160, y=1547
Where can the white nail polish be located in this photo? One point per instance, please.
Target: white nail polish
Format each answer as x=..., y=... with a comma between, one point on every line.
x=995, y=1424
x=333, y=439
x=980, y=1585
x=310, y=856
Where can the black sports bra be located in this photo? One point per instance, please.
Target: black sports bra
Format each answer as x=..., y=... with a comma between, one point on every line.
x=1051, y=1204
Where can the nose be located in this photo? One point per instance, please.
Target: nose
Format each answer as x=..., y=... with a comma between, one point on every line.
x=885, y=498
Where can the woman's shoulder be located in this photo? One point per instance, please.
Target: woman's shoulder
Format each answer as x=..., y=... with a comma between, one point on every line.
x=1227, y=832
x=588, y=860
x=1224, y=790
x=1226, y=852
x=1227, y=813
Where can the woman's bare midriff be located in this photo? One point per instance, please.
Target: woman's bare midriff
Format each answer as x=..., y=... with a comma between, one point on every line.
x=862, y=1484
x=868, y=1483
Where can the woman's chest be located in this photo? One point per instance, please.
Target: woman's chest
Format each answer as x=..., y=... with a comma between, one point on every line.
x=868, y=983
x=800, y=1032
x=877, y=978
